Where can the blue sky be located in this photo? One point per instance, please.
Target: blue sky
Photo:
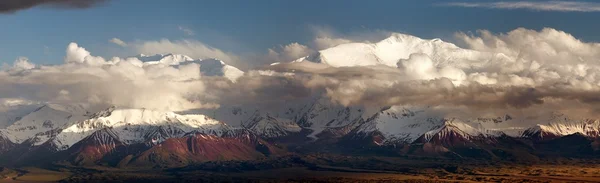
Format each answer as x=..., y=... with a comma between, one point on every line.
x=242, y=26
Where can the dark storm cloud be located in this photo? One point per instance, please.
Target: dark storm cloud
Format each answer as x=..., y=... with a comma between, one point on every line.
x=11, y=6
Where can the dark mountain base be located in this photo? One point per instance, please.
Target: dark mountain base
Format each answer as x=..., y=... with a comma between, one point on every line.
x=242, y=156
x=326, y=168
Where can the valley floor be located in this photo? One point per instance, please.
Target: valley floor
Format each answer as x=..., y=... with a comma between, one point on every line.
x=320, y=169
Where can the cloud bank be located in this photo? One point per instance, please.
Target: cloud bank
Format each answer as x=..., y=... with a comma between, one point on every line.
x=521, y=70
x=11, y=6
x=93, y=81
x=562, y=6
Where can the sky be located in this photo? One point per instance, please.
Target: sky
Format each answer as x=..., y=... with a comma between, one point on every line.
x=492, y=58
x=42, y=33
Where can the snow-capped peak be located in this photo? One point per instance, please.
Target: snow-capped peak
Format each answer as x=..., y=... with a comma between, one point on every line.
x=215, y=67
x=405, y=124
x=168, y=59
x=40, y=122
x=271, y=127
x=556, y=129
x=395, y=49
x=138, y=126
x=208, y=67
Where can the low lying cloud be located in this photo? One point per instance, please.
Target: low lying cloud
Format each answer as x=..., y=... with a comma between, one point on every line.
x=92, y=80
x=542, y=70
x=546, y=70
x=562, y=6
x=11, y=6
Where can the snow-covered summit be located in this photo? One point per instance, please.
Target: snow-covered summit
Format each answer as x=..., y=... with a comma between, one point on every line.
x=40, y=124
x=138, y=126
x=395, y=49
x=214, y=67
x=588, y=127
x=208, y=67
x=407, y=124
x=404, y=124
x=168, y=59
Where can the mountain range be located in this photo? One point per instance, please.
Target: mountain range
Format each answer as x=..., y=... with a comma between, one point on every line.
x=116, y=136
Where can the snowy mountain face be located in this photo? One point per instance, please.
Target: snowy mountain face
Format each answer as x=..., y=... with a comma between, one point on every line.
x=271, y=127
x=392, y=50
x=213, y=67
x=269, y=124
x=208, y=67
x=590, y=128
x=402, y=124
x=132, y=126
x=11, y=114
x=62, y=127
x=42, y=123
x=168, y=59
x=315, y=114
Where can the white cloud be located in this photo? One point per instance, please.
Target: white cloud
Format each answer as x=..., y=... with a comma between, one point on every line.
x=420, y=66
x=518, y=69
x=118, y=41
x=187, y=31
x=326, y=37
x=563, y=6
x=327, y=42
x=76, y=54
x=23, y=63
x=545, y=46
x=88, y=79
x=288, y=53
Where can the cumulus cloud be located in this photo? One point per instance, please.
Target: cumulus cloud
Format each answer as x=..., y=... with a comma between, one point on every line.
x=522, y=69
x=76, y=54
x=563, y=6
x=545, y=70
x=10, y=6
x=420, y=66
x=288, y=52
x=88, y=79
x=23, y=63
x=545, y=46
x=118, y=41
